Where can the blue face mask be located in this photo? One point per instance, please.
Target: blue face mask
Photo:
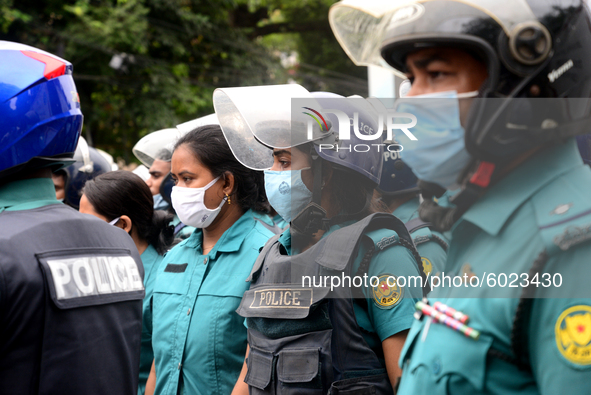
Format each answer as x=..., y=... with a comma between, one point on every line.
x=286, y=192
x=159, y=202
x=439, y=154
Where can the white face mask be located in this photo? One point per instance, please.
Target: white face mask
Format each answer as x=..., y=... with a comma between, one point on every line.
x=190, y=206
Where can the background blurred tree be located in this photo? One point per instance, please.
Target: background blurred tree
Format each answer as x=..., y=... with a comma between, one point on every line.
x=144, y=65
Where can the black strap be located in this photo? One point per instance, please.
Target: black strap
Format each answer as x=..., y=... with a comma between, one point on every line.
x=317, y=192
x=382, y=221
x=519, y=331
x=521, y=321
x=415, y=224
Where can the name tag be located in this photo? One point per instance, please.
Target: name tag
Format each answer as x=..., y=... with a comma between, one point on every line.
x=301, y=298
x=92, y=279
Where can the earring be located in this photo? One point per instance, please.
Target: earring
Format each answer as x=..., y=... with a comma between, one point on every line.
x=228, y=199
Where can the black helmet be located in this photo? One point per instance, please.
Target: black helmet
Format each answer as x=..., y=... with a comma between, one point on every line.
x=89, y=164
x=537, y=54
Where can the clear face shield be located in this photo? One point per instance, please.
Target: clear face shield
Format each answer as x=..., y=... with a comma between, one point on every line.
x=363, y=27
x=148, y=147
x=186, y=127
x=256, y=119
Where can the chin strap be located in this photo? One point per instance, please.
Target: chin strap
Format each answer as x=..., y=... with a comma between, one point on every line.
x=313, y=218
x=443, y=218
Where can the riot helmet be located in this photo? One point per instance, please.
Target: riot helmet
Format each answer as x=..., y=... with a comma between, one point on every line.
x=397, y=178
x=534, y=50
x=40, y=117
x=89, y=163
x=257, y=119
x=149, y=147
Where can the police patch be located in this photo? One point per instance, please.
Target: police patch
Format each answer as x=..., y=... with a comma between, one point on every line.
x=300, y=298
x=86, y=277
x=387, y=293
x=427, y=265
x=573, y=335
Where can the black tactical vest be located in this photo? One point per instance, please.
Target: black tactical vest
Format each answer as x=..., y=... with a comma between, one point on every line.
x=308, y=341
x=71, y=289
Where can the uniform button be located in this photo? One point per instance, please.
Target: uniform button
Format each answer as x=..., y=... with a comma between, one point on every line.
x=179, y=367
x=188, y=311
x=436, y=366
x=205, y=261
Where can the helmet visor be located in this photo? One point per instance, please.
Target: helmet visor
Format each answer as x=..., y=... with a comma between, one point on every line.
x=362, y=27
x=149, y=147
x=255, y=119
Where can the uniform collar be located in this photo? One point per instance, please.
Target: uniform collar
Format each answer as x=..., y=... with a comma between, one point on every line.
x=491, y=212
x=230, y=241
x=26, y=191
x=406, y=210
x=149, y=254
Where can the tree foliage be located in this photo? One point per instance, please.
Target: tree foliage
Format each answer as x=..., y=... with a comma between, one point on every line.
x=144, y=65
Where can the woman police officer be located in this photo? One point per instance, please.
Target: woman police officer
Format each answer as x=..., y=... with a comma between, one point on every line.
x=198, y=339
x=523, y=210
x=123, y=199
x=308, y=338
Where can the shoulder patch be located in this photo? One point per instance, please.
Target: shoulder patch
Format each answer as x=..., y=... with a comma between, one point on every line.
x=383, y=238
x=427, y=266
x=573, y=335
x=387, y=293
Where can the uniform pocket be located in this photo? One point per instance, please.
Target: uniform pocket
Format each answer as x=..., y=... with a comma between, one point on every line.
x=446, y=361
x=299, y=369
x=260, y=369
x=173, y=282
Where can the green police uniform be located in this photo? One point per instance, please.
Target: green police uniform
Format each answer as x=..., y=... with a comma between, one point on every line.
x=27, y=194
x=151, y=261
x=543, y=205
x=378, y=319
x=431, y=245
x=198, y=339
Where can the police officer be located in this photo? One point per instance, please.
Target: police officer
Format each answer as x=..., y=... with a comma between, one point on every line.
x=198, y=339
x=70, y=285
x=398, y=190
x=155, y=152
x=123, y=199
x=307, y=338
x=523, y=209
x=69, y=181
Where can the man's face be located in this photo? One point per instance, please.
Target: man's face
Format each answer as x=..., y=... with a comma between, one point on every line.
x=158, y=171
x=59, y=182
x=444, y=69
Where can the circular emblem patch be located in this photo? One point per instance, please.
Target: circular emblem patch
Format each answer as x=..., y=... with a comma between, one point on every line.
x=387, y=293
x=284, y=188
x=427, y=266
x=573, y=334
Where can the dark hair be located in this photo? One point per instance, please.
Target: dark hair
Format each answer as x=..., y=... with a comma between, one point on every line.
x=209, y=146
x=121, y=192
x=164, y=154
